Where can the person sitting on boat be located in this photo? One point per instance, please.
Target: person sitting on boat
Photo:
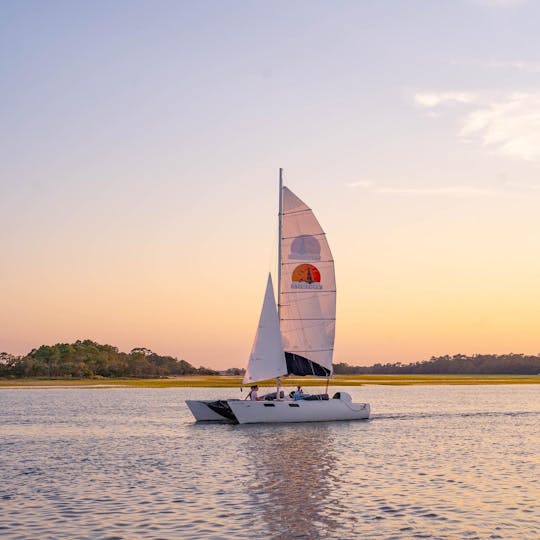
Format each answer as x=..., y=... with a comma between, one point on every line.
x=299, y=394
x=253, y=394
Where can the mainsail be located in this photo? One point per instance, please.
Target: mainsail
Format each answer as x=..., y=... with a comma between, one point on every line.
x=267, y=360
x=307, y=292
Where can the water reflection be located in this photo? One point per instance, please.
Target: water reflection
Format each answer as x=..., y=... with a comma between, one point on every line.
x=293, y=478
x=436, y=462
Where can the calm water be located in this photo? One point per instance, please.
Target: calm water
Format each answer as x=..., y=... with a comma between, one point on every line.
x=434, y=462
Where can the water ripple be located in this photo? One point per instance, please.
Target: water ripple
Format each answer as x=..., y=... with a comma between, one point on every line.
x=129, y=463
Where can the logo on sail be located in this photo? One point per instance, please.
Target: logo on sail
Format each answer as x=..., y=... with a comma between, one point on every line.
x=306, y=276
x=305, y=247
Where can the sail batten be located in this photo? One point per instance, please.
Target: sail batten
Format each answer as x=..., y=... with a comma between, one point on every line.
x=324, y=261
x=307, y=290
x=289, y=237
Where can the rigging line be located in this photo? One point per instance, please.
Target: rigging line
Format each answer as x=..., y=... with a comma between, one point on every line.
x=272, y=263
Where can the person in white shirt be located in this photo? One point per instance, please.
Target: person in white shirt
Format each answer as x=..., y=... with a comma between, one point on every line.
x=253, y=394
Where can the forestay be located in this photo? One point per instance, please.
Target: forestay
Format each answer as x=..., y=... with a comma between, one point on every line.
x=267, y=359
x=307, y=294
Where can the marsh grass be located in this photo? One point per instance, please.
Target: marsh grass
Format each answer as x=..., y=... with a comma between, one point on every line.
x=215, y=381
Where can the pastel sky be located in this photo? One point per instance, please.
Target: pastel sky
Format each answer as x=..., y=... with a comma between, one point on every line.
x=139, y=154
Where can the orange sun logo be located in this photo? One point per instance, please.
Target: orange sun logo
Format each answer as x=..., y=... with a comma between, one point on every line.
x=306, y=273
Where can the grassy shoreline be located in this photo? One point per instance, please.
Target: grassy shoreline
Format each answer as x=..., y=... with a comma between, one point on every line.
x=195, y=381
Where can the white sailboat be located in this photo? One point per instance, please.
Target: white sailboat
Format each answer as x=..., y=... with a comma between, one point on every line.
x=296, y=337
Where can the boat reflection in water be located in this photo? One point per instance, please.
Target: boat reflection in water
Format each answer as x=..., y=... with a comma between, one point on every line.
x=292, y=479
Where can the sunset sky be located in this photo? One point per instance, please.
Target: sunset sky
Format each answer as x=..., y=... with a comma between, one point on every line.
x=139, y=156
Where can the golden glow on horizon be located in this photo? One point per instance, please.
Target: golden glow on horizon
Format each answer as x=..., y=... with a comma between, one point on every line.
x=406, y=292
x=141, y=210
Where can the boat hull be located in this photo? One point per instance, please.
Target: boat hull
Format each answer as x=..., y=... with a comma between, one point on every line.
x=203, y=413
x=279, y=411
x=254, y=412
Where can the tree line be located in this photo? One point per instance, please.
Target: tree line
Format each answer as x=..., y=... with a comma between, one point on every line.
x=88, y=359
x=459, y=364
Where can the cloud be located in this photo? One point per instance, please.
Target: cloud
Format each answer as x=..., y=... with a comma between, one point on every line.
x=521, y=65
x=510, y=126
x=361, y=183
x=433, y=99
x=447, y=190
x=525, y=66
x=458, y=190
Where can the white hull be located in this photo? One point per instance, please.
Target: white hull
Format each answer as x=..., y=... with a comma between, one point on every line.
x=202, y=413
x=254, y=412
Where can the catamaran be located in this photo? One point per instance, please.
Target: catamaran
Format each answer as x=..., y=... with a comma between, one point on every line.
x=296, y=336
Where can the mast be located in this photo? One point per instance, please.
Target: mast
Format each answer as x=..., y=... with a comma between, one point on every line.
x=280, y=216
